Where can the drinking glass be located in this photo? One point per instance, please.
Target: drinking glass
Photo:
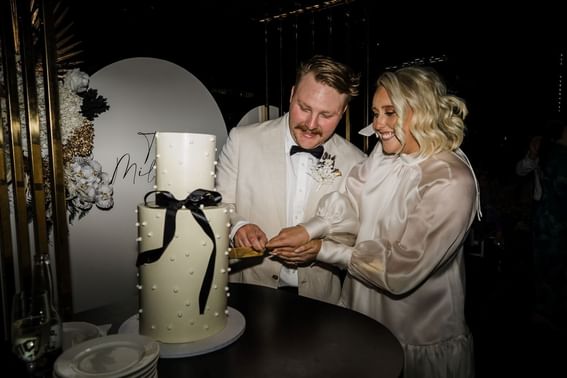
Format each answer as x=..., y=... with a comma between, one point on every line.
x=30, y=328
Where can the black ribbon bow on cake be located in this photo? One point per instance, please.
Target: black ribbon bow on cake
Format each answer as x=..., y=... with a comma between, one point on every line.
x=193, y=202
x=317, y=151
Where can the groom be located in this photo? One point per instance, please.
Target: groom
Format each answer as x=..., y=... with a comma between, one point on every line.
x=275, y=172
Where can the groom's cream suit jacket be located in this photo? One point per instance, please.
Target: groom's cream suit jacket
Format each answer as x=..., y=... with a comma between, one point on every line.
x=251, y=175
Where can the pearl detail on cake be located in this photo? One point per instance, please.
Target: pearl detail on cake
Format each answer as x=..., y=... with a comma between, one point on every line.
x=149, y=234
x=185, y=318
x=139, y=239
x=140, y=311
x=176, y=290
x=139, y=287
x=154, y=287
x=172, y=258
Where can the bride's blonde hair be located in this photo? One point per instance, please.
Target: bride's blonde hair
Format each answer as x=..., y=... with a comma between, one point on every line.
x=438, y=118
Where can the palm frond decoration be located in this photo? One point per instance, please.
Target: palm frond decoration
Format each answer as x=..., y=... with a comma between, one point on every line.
x=68, y=46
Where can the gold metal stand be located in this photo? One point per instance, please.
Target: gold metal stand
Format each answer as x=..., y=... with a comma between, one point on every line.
x=28, y=51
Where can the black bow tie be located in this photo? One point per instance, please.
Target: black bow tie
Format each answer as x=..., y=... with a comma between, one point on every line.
x=317, y=151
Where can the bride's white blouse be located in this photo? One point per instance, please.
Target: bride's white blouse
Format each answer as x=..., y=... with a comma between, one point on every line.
x=406, y=268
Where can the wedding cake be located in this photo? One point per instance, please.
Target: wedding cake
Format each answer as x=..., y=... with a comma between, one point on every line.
x=183, y=244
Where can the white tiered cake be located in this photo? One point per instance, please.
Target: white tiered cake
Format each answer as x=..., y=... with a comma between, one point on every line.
x=183, y=244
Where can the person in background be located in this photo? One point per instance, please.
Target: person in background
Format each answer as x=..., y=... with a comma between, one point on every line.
x=548, y=161
x=411, y=203
x=275, y=172
x=529, y=164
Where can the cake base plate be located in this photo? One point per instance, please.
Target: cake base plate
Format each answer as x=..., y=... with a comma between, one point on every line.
x=234, y=328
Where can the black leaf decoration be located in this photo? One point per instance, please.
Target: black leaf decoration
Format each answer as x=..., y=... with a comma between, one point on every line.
x=93, y=104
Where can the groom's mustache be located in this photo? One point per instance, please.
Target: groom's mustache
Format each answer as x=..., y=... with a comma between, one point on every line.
x=306, y=129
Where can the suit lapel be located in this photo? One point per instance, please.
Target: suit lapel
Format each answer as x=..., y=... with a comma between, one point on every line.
x=273, y=144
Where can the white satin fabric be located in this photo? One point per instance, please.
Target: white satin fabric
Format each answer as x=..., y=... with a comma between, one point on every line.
x=406, y=269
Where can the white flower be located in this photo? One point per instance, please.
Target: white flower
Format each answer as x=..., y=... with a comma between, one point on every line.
x=324, y=172
x=104, y=198
x=76, y=80
x=85, y=182
x=88, y=185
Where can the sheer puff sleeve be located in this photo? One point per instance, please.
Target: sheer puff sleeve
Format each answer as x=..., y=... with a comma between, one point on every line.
x=415, y=218
x=337, y=222
x=420, y=229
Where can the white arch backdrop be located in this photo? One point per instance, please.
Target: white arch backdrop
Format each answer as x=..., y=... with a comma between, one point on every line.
x=258, y=114
x=145, y=95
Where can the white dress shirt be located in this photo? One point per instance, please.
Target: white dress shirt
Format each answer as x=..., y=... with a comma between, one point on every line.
x=299, y=185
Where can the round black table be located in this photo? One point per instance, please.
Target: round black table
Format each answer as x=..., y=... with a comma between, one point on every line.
x=286, y=336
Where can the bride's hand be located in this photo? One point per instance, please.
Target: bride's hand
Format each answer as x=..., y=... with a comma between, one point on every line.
x=301, y=255
x=290, y=237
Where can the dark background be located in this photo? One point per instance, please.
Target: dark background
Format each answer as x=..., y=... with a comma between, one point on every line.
x=505, y=62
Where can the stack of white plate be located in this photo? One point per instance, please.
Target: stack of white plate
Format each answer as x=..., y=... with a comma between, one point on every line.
x=78, y=332
x=114, y=356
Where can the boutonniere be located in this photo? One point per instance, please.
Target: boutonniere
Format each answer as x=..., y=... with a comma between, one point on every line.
x=324, y=171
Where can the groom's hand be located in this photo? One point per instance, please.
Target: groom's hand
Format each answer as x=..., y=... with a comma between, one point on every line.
x=252, y=236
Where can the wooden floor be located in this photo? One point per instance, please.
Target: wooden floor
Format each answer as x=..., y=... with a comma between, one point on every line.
x=510, y=339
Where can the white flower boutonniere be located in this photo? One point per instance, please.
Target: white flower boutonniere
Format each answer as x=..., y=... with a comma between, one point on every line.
x=324, y=172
